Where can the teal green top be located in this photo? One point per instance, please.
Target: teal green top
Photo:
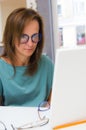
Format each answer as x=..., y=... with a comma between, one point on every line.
x=23, y=90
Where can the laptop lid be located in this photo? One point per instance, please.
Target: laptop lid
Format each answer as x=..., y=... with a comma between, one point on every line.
x=68, y=102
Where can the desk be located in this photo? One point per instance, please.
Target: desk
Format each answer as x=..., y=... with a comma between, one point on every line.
x=23, y=115
x=19, y=116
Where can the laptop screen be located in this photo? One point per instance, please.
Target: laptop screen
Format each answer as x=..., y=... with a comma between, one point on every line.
x=68, y=102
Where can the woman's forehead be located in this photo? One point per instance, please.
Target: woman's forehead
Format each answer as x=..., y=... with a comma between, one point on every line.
x=31, y=26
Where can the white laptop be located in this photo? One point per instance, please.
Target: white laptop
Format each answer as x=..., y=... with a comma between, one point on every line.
x=68, y=102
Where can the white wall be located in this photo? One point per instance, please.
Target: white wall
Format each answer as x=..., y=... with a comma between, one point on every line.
x=69, y=36
x=6, y=7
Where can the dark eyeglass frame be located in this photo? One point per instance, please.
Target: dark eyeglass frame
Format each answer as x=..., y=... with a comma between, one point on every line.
x=43, y=106
x=25, y=38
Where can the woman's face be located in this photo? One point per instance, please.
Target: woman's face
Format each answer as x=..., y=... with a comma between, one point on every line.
x=28, y=40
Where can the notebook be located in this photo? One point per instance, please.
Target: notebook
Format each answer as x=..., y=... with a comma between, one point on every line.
x=68, y=101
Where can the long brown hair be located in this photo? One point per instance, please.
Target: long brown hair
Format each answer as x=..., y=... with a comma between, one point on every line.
x=14, y=27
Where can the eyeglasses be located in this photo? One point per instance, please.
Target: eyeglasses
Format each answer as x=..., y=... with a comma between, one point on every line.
x=35, y=38
x=43, y=120
x=2, y=126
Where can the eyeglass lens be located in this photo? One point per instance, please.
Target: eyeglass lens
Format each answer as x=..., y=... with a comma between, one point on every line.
x=44, y=106
x=35, y=38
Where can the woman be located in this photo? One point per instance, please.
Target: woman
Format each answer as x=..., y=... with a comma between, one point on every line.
x=25, y=74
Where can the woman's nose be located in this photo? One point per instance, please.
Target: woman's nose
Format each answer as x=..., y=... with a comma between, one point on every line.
x=30, y=42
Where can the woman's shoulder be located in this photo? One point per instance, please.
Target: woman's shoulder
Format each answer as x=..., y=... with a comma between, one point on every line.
x=46, y=61
x=1, y=60
x=46, y=58
x=47, y=64
x=4, y=62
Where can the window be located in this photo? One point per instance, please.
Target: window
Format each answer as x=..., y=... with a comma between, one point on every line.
x=59, y=10
x=79, y=7
x=71, y=25
x=81, y=36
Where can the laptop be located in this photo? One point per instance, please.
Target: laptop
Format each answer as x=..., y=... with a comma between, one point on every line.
x=68, y=101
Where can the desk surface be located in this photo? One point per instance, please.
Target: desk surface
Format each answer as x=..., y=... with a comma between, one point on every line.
x=19, y=116
x=23, y=115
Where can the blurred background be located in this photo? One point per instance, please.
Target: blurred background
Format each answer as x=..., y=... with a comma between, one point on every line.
x=64, y=21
